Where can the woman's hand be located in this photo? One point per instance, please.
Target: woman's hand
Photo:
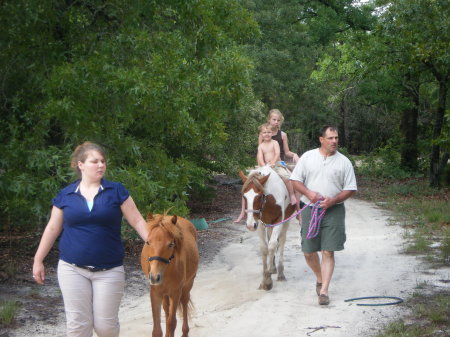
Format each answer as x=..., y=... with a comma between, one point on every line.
x=39, y=272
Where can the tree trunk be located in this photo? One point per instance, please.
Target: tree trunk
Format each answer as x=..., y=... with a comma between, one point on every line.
x=408, y=126
x=436, y=165
x=342, y=124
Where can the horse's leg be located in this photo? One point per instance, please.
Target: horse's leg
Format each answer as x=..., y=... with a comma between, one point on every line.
x=171, y=319
x=271, y=261
x=266, y=283
x=166, y=305
x=273, y=246
x=282, y=242
x=185, y=298
x=156, y=300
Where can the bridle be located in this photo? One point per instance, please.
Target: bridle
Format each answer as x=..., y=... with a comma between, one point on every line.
x=260, y=210
x=159, y=258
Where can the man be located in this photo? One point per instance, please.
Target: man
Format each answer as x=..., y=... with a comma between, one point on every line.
x=327, y=176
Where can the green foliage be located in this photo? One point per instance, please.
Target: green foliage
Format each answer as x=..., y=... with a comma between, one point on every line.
x=164, y=86
x=384, y=163
x=8, y=311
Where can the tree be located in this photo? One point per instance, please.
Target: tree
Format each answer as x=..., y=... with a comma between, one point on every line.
x=424, y=46
x=162, y=85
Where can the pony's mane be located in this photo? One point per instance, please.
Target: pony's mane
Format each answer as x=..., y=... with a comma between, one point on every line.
x=165, y=222
x=253, y=178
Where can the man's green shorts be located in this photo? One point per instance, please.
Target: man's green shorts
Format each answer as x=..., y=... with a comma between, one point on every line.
x=331, y=235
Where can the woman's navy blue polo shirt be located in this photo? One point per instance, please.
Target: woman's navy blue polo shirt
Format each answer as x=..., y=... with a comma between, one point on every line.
x=92, y=238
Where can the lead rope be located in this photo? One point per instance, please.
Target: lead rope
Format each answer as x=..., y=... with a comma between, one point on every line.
x=314, y=225
x=316, y=218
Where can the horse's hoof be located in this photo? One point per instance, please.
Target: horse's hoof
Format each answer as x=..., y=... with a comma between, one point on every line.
x=264, y=286
x=281, y=278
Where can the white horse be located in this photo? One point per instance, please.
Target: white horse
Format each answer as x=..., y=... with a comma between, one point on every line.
x=267, y=204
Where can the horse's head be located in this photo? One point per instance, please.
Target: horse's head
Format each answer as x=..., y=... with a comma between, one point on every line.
x=162, y=245
x=253, y=193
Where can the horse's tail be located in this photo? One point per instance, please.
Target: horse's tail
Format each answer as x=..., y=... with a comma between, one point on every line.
x=189, y=309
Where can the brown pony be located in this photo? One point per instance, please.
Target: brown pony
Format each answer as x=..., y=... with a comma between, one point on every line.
x=169, y=260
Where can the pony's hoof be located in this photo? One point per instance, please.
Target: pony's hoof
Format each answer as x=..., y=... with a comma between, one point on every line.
x=281, y=278
x=264, y=286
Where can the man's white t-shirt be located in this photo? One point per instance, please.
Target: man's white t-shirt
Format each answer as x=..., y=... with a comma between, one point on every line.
x=328, y=175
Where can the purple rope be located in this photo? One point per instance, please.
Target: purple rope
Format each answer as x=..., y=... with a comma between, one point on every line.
x=287, y=219
x=314, y=224
x=316, y=219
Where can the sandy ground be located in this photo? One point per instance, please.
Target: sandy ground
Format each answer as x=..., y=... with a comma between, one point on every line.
x=228, y=303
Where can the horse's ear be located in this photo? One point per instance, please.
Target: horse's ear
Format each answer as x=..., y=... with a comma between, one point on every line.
x=174, y=219
x=263, y=180
x=149, y=216
x=243, y=177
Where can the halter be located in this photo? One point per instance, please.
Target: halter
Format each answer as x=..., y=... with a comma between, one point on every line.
x=161, y=259
x=258, y=211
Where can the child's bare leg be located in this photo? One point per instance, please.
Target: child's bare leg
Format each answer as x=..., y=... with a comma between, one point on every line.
x=290, y=189
x=242, y=215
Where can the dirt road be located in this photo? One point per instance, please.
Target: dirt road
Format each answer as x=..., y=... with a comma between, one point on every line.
x=229, y=304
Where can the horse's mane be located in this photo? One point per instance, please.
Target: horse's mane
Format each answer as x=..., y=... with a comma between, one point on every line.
x=253, y=178
x=164, y=221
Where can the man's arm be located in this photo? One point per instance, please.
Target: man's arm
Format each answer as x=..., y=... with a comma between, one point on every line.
x=311, y=195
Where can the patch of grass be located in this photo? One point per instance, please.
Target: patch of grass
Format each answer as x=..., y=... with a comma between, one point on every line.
x=429, y=317
x=425, y=214
x=445, y=246
x=8, y=311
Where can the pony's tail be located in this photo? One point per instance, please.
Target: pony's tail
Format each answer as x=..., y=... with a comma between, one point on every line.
x=190, y=309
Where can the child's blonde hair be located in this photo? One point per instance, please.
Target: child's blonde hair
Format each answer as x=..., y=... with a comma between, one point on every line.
x=265, y=126
x=275, y=112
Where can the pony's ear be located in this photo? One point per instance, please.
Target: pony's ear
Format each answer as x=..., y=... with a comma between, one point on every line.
x=174, y=219
x=243, y=177
x=149, y=216
x=263, y=180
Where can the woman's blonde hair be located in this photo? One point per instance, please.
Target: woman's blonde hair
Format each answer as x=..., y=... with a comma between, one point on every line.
x=275, y=112
x=81, y=152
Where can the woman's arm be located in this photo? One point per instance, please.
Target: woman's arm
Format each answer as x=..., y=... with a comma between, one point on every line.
x=134, y=217
x=51, y=233
x=288, y=152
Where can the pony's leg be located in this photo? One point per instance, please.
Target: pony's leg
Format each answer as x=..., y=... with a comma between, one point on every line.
x=271, y=260
x=166, y=305
x=156, y=300
x=171, y=319
x=266, y=283
x=185, y=299
x=282, y=242
x=273, y=246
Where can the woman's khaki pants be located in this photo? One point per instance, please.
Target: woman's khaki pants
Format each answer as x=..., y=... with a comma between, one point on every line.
x=91, y=300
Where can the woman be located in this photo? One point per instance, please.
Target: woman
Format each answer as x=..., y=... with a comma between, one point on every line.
x=91, y=275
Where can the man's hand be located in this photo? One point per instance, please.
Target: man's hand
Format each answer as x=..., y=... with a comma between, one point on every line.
x=327, y=203
x=314, y=196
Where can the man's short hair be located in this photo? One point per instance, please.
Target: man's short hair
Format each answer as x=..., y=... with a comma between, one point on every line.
x=324, y=129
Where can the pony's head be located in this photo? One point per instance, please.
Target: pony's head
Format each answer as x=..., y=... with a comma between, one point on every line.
x=161, y=247
x=253, y=193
